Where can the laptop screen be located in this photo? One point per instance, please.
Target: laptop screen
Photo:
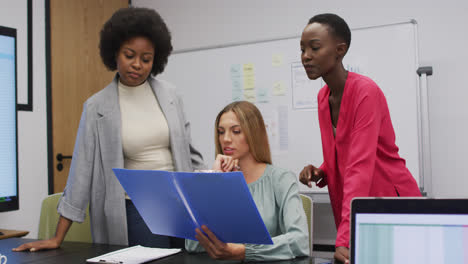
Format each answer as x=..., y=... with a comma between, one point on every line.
x=409, y=231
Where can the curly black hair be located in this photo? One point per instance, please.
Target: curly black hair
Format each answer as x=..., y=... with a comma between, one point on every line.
x=337, y=26
x=132, y=22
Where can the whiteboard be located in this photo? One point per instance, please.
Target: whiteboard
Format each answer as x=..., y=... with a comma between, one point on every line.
x=269, y=73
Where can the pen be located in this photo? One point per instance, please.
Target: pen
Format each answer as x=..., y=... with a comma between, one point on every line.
x=103, y=261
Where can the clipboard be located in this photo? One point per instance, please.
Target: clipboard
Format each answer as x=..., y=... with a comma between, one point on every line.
x=133, y=255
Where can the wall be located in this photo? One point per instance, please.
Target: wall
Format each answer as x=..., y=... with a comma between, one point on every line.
x=32, y=126
x=442, y=45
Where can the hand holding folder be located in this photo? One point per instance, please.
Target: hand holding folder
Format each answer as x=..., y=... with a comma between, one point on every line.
x=175, y=203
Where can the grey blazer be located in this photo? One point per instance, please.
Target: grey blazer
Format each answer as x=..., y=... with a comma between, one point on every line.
x=98, y=149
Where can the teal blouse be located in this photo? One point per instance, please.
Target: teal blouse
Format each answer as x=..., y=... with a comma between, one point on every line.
x=276, y=195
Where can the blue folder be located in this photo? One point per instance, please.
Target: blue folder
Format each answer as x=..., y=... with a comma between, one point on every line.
x=175, y=203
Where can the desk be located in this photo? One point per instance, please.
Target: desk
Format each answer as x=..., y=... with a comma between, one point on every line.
x=78, y=252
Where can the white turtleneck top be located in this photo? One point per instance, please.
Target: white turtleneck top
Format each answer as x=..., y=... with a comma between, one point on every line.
x=145, y=133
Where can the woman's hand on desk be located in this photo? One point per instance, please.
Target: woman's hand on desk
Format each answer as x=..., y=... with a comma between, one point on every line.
x=225, y=163
x=217, y=249
x=52, y=243
x=310, y=174
x=39, y=245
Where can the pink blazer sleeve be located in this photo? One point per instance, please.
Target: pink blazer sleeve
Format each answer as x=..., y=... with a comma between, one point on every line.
x=322, y=183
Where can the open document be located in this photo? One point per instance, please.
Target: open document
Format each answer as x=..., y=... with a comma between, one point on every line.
x=134, y=255
x=175, y=203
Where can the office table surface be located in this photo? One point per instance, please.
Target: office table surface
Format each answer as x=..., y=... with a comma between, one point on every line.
x=78, y=252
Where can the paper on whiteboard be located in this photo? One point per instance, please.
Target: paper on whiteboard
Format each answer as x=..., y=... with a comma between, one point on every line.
x=304, y=90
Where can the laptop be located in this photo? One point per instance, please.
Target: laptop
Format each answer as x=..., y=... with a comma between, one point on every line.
x=409, y=230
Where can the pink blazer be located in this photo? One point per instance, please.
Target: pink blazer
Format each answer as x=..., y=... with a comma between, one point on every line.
x=363, y=159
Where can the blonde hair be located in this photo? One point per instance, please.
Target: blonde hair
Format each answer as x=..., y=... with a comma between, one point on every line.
x=253, y=127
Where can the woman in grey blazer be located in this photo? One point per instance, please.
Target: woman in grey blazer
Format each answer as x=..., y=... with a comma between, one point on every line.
x=115, y=127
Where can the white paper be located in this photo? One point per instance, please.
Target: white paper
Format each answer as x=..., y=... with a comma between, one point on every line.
x=304, y=90
x=134, y=255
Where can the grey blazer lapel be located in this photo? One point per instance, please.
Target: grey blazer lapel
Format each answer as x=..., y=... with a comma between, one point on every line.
x=168, y=106
x=165, y=99
x=109, y=128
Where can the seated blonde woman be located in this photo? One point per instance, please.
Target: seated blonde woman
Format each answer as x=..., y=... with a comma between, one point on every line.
x=242, y=144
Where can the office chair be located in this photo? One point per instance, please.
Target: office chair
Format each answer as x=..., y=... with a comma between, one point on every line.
x=79, y=232
x=308, y=208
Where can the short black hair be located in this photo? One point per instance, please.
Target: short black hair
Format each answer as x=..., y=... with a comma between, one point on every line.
x=127, y=23
x=336, y=25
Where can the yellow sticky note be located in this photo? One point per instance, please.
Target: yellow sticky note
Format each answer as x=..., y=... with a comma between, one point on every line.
x=277, y=60
x=279, y=88
x=248, y=69
x=249, y=82
x=249, y=95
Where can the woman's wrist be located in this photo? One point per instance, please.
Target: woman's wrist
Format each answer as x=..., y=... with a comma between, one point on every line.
x=239, y=251
x=317, y=176
x=56, y=241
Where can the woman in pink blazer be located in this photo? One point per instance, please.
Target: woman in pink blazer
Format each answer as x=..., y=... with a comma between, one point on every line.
x=358, y=140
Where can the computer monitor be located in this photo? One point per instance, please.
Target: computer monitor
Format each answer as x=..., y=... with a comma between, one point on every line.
x=8, y=121
x=409, y=230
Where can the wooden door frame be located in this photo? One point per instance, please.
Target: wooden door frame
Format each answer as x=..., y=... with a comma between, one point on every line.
x=50, y=149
